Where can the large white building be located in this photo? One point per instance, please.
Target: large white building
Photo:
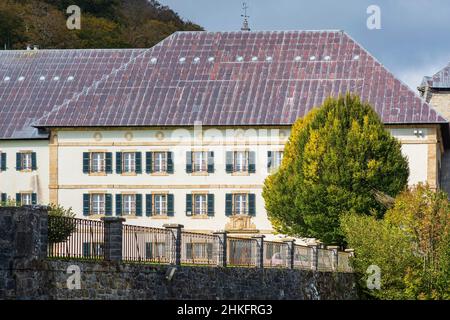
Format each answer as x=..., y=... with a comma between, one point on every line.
x=186, y=132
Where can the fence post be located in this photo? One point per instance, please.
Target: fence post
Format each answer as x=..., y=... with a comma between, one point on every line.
x=222, y=248
x=314, y=256
x=259, y=250
x=334, y=257
x=290, y=252
x=176, y=232
x=113, y=238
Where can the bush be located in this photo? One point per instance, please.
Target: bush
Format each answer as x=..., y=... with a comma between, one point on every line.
x=60, y=224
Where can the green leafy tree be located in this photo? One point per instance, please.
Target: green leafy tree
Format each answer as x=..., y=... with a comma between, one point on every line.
x=60, y=224
x=410, y=245
x=337, y=160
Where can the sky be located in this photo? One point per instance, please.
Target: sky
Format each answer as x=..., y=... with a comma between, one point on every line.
x=413, y=39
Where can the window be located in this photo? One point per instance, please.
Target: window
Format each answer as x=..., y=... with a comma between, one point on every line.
x=155, y=251
x=26, y=161
x=240, y=204
x=199, y=251
x=200, y=204
x=240, y=161
x=199, y=161
x=159, y=162
x=274, y=159
x=129, y=204
x=97, y=204
x=98, y=162
x=26, y=199
x=129, y=162
x=160, y=204
x=92, y=249
x=2, y=161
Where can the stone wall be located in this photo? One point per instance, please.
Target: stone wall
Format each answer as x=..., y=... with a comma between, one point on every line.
x=27, y=273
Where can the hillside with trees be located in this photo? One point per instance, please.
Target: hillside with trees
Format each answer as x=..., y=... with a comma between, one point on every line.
x=104, y=24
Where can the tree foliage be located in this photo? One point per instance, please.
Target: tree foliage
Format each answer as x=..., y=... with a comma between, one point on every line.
x=104, y=24
x=60, y=223
x=410, y=245
x=337, y=159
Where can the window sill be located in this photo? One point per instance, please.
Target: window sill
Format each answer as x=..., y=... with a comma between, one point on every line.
x=243, y=173
x=200, y=173
x=96, y=216
x=128, y=174
x=200, y=216
x=97, y=174
x=26, y=170
x=159, y=174
x=160, y=217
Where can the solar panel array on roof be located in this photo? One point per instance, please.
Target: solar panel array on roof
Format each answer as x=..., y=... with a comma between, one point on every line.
x=218, y=78
x=440, y=80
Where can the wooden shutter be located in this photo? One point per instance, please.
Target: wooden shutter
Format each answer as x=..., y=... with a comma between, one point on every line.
x=108, y=204
x=86, y=204
x=189, y=162
x=149, y=250
x=86, y=158
x=189, y=204
x=211, y=162
x=119, y=162
x=4, y=198
x=18, y=161
x=139, y=205
x=148, y=205
x=229, y=162
x=252, y=162
x=118, y=204
x=138, y=159
x=269, y=160
x=18, y=199
x=251, y=204
x=108, y=162
x=149, y=162
x=170, y=205
x=211, y=205
x=169, y=162
x=2, y=161
x=33, y=161
x=33, y=198
x=228, y=204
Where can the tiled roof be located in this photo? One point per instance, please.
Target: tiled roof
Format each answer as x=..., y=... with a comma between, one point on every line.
x=440, y=80
x=218, y=78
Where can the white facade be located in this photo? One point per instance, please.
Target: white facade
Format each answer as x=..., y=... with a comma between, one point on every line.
x=60, y=169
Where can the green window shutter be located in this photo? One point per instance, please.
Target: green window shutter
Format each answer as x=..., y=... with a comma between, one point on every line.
x=189, y=204
x=228, y=204
x=119, y=162
x=108, y=162
x=18, y=199
x=189, y=162
x=108, y=204
x=269, y=160
x=138, y=158
x=252, y=162
x=149, y=250
x=33, y=198
x=229, y=162
x=4, y=197
x=170, y=206
x=169, y=162
x=86, y=249
x=18, y=161
x=33, y=161
x=149, y=162
x=211, y=162
x=86, y=204
x=211, y=205
x=118, y=204
x=251, y=204
x=139, y=205
x=86, y=158
x=148, y=205
x=3, y=161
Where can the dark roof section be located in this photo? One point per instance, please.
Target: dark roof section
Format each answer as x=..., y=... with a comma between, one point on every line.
x=218, y=78
x=440, y=80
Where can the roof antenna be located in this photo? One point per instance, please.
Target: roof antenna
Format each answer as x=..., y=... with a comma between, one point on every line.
x=245, y=26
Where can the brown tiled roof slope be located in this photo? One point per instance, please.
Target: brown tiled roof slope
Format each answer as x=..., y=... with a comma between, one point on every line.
x=218, y=78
